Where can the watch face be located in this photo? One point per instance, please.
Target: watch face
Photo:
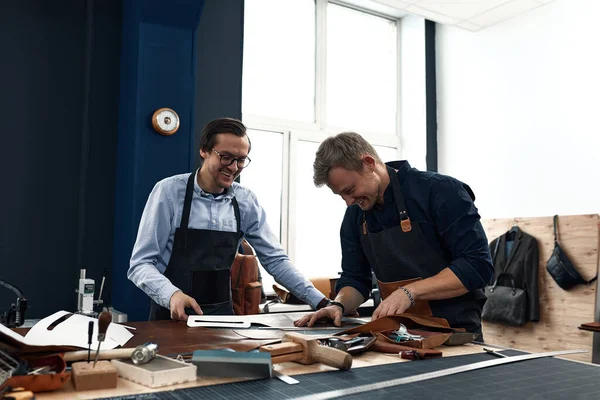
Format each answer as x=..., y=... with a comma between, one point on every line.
x=165, y=121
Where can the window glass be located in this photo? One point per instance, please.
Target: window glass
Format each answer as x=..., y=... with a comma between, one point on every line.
x=278, y=77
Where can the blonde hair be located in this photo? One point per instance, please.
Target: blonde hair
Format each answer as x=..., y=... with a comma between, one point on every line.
x=343, y=150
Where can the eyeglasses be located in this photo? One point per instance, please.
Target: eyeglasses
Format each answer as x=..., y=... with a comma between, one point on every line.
x=227, y=160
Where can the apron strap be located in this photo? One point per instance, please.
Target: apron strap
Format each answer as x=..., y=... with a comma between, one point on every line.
x=236, y=210
x=187, y=205
x=405, y=222
x=399, y=199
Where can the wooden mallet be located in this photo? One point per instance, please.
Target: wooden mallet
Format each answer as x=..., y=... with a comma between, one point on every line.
x=305, y=349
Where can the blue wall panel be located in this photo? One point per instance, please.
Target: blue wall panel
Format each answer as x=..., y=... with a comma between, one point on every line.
x=157, y=70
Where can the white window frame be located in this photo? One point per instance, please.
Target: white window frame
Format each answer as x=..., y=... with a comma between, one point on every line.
x=294, y=131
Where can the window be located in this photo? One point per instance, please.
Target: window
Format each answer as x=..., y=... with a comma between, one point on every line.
x=313, y=69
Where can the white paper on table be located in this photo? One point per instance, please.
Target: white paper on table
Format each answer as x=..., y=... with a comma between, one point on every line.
x=74, y=332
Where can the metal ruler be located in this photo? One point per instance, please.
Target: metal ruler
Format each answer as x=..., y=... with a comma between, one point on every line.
x=431, y=375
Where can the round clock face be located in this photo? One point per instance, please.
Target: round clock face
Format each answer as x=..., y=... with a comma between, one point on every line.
x=165, y=121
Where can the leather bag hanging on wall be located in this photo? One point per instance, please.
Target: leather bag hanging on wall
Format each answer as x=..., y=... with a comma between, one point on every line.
x=245, y=284
x=505, y=304
x=560, y=267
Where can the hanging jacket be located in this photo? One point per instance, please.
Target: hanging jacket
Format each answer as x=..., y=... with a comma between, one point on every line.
x=522, y=262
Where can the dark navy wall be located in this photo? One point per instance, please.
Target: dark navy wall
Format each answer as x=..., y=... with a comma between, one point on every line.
x=188, y=60
x=219, y=50
x=57, y=204
x=61, y=207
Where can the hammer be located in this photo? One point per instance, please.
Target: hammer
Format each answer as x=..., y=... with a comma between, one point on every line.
x=307, y=350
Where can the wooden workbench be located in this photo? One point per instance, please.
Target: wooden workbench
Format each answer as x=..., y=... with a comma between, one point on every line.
x=175, y=337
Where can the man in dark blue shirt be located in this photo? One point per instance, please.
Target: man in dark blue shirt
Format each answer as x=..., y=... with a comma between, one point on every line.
x=401, y=224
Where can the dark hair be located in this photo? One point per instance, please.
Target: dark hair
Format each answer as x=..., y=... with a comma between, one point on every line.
x=222, y=125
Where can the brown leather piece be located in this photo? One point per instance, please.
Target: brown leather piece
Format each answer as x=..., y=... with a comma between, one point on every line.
x=175, y=337
x=421, y=307
x=386, y=347
x=590, y=326
x=408, y=320
x=245, y=286
x=436, y=331
x=41, y=382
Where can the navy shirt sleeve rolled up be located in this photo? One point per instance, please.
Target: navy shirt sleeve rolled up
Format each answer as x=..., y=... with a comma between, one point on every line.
x=449, y=221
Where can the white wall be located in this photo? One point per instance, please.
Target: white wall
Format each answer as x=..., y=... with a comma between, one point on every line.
x=518, y=111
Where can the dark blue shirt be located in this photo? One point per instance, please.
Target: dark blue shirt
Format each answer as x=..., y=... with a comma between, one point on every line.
x=443, y=206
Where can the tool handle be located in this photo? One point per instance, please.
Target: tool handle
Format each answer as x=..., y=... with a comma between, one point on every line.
x=332, y=357
x=104, y=319
x=103, y=355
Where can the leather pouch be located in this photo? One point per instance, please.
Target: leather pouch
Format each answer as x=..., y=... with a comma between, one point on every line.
x=560, y=267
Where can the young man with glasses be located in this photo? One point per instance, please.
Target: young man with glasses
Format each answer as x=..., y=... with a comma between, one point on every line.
x=192, y=226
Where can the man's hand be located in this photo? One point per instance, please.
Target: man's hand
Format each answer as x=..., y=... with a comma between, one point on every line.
x=179, y=301
x=396, y=303
x=332, y=312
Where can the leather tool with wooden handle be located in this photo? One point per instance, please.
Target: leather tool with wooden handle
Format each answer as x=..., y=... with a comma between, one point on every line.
x=81, y=355
x=305, y=349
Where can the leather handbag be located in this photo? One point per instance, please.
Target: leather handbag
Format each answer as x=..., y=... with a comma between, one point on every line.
x=505, y=304
x=246, y=288
x=560, y=267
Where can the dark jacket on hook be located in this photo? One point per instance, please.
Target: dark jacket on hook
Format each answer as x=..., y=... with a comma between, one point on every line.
x=522, y=262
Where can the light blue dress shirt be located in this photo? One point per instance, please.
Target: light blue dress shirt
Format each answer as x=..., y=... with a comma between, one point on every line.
x=162, y=216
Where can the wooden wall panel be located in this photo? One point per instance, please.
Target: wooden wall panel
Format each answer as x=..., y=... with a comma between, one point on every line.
x=561, y=312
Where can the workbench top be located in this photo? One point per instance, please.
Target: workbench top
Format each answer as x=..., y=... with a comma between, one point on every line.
x=176, y=337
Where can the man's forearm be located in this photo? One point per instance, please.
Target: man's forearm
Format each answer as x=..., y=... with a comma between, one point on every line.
x=444, y=285
x=350, y=298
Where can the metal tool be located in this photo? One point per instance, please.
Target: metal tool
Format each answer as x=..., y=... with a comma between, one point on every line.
x=404, y=335
x=352, y=346
x=15, y=316
x=85, y=294
x=144, y=353
x=431, y=375
x=104, y=319
x=90, y=334
x=494, y=353
x=8, y=366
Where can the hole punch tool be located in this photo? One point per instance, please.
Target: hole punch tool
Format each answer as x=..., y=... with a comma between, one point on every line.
x=104, y=320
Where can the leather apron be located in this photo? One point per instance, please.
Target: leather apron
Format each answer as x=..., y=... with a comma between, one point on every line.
x=200, y=263
x=402, y=252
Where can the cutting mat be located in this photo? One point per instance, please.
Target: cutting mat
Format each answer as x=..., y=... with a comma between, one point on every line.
x=546, y=378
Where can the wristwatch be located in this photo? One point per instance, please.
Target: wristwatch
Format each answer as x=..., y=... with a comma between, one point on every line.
x=328, y=302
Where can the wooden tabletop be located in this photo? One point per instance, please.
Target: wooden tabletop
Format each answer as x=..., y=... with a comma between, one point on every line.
x=175, y=337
